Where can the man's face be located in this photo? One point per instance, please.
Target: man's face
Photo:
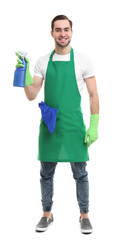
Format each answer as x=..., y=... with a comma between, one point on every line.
x=62, y=32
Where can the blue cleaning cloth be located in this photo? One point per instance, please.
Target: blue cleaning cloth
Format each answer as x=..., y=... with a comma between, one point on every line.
x=49, y=116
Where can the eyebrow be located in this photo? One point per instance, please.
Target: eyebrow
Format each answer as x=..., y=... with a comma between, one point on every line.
x=61, y=28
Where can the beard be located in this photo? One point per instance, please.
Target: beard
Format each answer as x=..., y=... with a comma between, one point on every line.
x=60, y=45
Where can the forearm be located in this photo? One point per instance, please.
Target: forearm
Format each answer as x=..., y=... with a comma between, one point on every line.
x=30, y=92
x=94, y=104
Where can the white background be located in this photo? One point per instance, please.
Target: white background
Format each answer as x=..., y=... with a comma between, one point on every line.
x=25, y=25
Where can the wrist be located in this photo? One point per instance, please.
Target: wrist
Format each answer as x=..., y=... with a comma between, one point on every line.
x=94, y=120
x=28, y=80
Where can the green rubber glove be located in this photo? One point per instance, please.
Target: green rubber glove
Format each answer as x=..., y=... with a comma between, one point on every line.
x=28, y=78
x=92, y=133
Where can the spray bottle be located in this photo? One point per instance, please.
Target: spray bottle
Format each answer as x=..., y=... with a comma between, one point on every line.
x=20, y=72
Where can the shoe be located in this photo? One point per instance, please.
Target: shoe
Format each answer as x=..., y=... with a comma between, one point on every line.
x=44, y=223
x=85, y=226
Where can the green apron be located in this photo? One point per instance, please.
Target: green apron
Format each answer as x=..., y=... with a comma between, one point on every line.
x=66, y=143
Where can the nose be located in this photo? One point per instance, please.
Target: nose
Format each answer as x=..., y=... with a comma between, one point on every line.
x=62, y=33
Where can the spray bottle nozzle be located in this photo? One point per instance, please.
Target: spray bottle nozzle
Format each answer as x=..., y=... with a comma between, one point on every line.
x=22, y=54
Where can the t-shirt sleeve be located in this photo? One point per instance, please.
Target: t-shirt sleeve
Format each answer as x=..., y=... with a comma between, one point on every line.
x=88, y=68
x=38, y=69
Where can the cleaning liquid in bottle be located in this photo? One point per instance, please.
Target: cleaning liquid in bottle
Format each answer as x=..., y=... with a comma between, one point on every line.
x=20, y=72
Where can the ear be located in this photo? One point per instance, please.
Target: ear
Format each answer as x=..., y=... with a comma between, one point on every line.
x=51, y=33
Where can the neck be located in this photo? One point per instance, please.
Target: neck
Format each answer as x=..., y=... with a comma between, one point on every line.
x=62, y=50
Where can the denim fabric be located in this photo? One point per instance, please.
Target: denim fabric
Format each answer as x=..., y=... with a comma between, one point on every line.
x=82, y=185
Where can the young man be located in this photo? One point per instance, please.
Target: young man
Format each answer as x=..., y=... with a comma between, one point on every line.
x=64, y=72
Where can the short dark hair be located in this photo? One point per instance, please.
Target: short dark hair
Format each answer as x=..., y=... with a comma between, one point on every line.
x=60, y=17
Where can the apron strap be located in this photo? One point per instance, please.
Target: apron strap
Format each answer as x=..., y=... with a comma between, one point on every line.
x=71, y=55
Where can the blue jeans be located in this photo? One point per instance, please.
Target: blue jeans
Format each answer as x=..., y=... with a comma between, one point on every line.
x=82, y=185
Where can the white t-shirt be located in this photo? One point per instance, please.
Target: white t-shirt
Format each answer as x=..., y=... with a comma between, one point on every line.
x=83, y=66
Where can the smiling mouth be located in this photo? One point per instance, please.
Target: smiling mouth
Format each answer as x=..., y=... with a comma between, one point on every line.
x=62, y=39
